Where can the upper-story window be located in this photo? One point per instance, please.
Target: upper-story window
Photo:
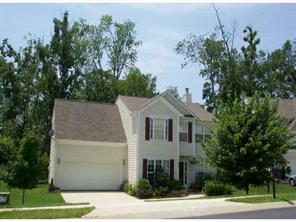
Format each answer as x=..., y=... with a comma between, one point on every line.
x=183, y=131
x=158, y=128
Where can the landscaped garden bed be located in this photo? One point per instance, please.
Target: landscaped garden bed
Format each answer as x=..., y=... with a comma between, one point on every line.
x=160, y=187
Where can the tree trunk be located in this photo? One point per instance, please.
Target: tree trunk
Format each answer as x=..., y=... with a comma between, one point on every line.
x=268, y=186
x=247, y=189
x=273, y=188
x=23, y=197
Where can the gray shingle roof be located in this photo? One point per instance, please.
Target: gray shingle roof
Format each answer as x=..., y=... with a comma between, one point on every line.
x=80, y=120
x=133, y=103
x=199, y=111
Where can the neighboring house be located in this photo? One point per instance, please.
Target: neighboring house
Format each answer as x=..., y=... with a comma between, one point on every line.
x=287, y=109
x=98, y=146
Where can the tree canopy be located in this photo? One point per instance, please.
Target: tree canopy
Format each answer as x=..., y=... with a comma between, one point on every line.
x=247, y=140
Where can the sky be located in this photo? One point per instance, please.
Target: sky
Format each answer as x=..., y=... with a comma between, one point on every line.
x=159, y=27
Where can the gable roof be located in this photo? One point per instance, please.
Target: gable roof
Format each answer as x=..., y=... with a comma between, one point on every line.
x=81, y=120
x=286, y=109
x=133, y=103
x=199, y=111
x=136, y=103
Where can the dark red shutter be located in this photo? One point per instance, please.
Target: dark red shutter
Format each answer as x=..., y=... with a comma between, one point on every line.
x=170, y=130
x=144, y=168
x=171, y=169
x=147, y=128
x=189, y=132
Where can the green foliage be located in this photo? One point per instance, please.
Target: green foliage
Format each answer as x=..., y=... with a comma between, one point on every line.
x=136, y=83
x=230, y=72
x=143, y=184
x=130, y=189
x=161, y=191
x=200, y=180
x=175, y=185
x=213, y=188
x=162, y=179
x=6, y=149
x=23, y=172
x=246, y=141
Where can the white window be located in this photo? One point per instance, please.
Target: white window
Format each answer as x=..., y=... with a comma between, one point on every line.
x=157, y=165
x=183, y=131
x=158, y=129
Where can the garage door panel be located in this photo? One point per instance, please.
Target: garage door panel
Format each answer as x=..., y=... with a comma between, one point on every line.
x=90, y=168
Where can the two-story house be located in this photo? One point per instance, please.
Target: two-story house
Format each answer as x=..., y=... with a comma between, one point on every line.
x=98, y=146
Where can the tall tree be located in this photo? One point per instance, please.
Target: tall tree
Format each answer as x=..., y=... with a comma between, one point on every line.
x=23, y=172
x=137, y=83
x=246, y=141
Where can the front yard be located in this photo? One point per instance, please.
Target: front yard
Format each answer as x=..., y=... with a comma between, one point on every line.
x=46, y=214
x=37, y=197
x=284, y=192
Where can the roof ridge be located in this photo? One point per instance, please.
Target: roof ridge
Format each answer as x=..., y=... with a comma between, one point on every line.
x=85, y=101
x=137, y=96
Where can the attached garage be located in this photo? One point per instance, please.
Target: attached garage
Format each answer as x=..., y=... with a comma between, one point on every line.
x=88, y=146
x=90, y=167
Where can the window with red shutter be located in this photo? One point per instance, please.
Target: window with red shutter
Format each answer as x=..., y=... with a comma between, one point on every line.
x=170, y=130
x=171, y=169
x=144, y=168
x=189, y=132
x=147, y=128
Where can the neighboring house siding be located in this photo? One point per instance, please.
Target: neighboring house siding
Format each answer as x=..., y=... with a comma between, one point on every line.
x=52, y=157
x=158, y=149
x=291, y=157
x=131, y=137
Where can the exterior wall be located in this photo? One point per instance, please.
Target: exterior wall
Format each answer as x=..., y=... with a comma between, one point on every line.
x=52, y=156
x=91, y=154
x=158, y=149
x=187, y=149
x=130, y=133
x=291, y=157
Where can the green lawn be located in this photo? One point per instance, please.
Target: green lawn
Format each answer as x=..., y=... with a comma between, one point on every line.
x=283, y=191
x=46, y=214
x=36, y=197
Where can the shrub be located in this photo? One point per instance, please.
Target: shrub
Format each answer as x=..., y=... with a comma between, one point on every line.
x=175, y=185
x=200, y=180
x=213, y=188
x=3, y=170
x=144, y=193
x=130, y=189
x=122, y=185
x=161, y=179
x=143, y=184
x=161, y=191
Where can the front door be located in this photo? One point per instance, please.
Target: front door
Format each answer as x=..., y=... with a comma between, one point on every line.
x=183, y=173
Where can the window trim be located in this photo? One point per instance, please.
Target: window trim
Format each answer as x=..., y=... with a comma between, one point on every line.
x=165, y=128
x=154, y=166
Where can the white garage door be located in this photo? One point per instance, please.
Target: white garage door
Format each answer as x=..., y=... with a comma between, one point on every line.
x=90, y=176
x=90, y=167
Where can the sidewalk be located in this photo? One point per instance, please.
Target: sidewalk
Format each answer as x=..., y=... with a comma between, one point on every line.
x=178, y=209
x=46, y=208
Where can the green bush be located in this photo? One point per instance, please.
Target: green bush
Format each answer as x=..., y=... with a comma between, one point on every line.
x=122, y=185
x=161, y=191
x=161, y=179
x=200, y=180
x=144, y=193
x=175, y=185
x=3, y=170
x=130, y=189
x=213, y=188
x=143, y=184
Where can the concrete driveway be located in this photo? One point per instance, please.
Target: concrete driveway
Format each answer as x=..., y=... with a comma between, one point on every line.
x=99, y=198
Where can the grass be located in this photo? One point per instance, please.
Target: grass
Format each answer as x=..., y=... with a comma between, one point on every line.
x=36, y=197
x=284, y=192
x=46, y=214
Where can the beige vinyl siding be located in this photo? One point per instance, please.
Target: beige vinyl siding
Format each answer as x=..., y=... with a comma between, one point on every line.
x=52, y=155
x=131, y=137
x=158, y=149
x=187, y=149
